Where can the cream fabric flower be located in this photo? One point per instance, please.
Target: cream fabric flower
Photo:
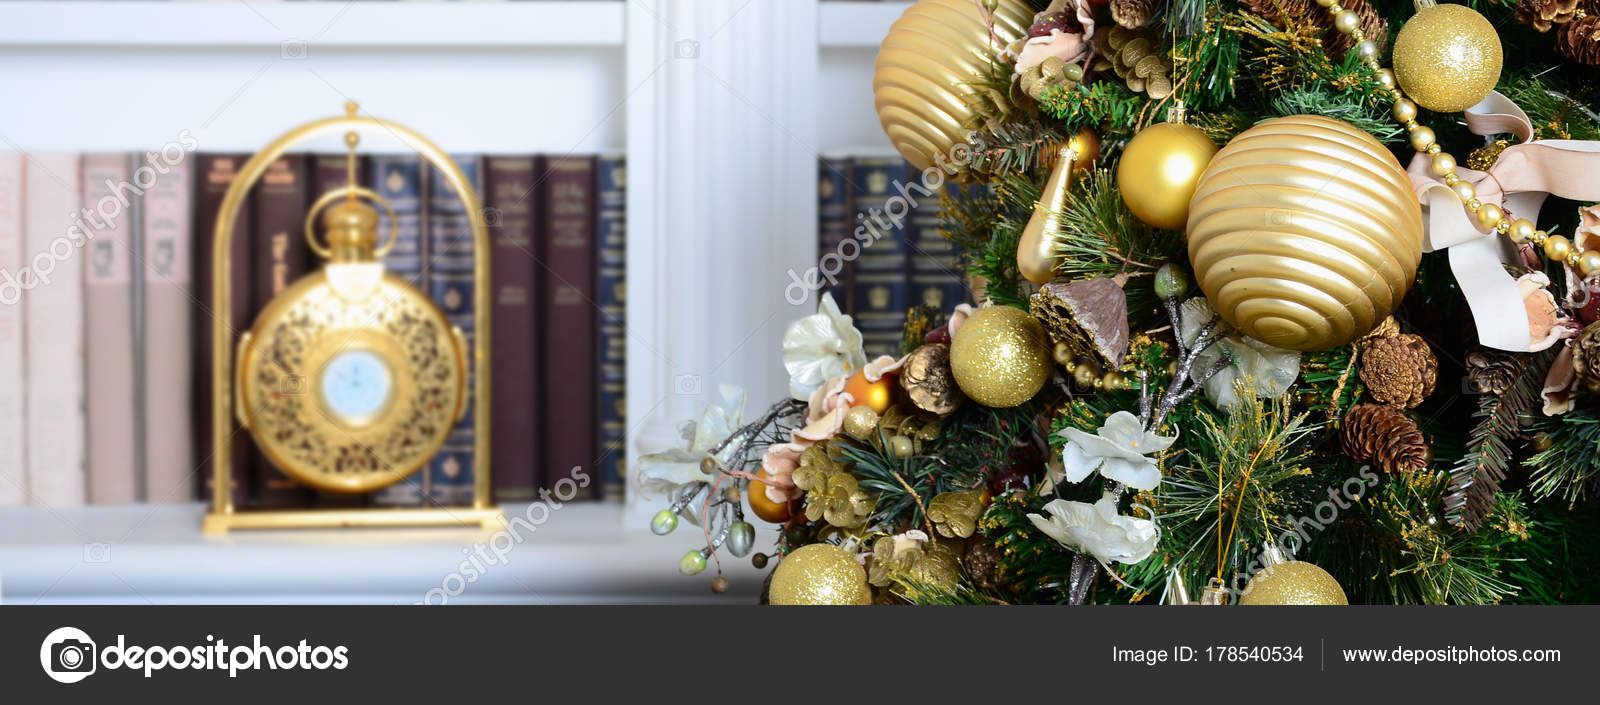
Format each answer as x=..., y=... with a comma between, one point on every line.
x=1270, y=370
x=668, y=470
x=819, y=347
x=1117, y=452
x=1098, y=530
x=780, y=462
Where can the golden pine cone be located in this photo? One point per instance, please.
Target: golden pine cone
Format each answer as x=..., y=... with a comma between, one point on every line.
x=1384, y=435
x=1586, y=357
x=1132, y=14
x=1544, y=14
x=1579, y=40
x=1492, y=371
x=1399, y=370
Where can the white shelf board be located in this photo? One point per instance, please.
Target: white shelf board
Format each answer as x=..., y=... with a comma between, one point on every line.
x=155, y=554
x=857, y=24
x=318, y=24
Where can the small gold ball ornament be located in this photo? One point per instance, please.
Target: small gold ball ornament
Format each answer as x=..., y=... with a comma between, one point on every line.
x=819, y=574
x=1000, y=356
x=1305, y=233
x=1293, y=583
x=1447, y=58
x=1159, y=170
x=860, y=421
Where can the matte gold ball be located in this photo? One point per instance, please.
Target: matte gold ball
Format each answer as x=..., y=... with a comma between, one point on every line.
x=1293, y=583
x=1447, y=58
x=1589, y=263
x=921, y=78
x=819, y=574
x=1159, y=170
x=1521, y=230
x=1000, y=356
x=1557, y=247
x=1305, y=233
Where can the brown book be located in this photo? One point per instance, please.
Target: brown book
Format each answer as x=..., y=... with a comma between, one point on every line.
x=567, y=210
x=513, y=357
x=109, y=197
x=280, y=254
x=213, y=174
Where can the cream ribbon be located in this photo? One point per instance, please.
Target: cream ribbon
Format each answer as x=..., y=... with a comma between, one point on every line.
x=1518, y=182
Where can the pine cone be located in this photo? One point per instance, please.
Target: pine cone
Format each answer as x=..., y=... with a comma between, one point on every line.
x=1586, y=357
x=1307, y=12
x=1386, y=436
x=1132, y=14
x=1399, y=370
x=1543, y=14
x=1492, y=371
x=1579, y=40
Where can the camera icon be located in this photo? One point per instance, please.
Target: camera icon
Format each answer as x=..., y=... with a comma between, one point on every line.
x=686, y=49
x=686, y=384
x=68, y=655
x=292, y=385
x=492, y=217
x=97, y=553
x=1279, y=217
x=292, y=49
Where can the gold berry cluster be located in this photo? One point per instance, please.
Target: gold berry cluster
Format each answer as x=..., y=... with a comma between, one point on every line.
x=1443, y=165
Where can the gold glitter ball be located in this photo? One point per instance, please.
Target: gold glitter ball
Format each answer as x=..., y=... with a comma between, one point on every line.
x=819, y=574
x=1000, y=356
x=1293, y=583
x=1447, y=58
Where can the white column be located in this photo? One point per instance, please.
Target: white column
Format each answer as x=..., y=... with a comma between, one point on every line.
x=721, y=129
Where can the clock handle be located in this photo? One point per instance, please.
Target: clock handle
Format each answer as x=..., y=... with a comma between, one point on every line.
x=463, y=364
x=238, y=395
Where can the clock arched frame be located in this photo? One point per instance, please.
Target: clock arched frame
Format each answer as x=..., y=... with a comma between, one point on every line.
x=223, y=516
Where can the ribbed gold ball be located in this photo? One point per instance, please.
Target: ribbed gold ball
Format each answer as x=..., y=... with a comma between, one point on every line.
x=1159, y=170
x=1447, y=58
x=1305, y=232
x=921, y=79
x=1293, y=583
x=819, y=574
x=1000, y=356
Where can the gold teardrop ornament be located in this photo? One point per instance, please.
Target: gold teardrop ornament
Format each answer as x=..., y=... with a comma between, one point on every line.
x=1304, y=232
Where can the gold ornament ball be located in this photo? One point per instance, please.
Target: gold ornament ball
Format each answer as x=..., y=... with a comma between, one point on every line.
x=1305, y=232
x=762, y=506
x=1293, y=583
x=1000, y=356
x=875, y=395
x=860, y=421
x=1447, y=58
x=819, y=574
x=1159, y=170
x=921, y=78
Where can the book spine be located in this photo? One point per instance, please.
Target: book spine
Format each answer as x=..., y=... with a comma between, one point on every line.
x=569, y=371
x=169, y=346
x=214, y=174
x=879, y=296
x=108, y=202
x=611, y=231
x=280, y=254
x=399, y=179
x=328, y=172
x=936, y=275
x=13, y=436
x=513, y=354
x=52, y=281
x=450, y=282
x=833, y=226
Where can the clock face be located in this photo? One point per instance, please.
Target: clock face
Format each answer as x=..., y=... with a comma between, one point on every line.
x=356, y=386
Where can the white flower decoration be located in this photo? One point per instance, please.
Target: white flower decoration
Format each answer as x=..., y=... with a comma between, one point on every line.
x=819, y=347
x=668, y=470
x=1270, y=370
x=1117, y=452
x=1099, y=530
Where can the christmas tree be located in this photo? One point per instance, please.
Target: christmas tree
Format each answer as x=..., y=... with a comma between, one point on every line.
x=1275, y=301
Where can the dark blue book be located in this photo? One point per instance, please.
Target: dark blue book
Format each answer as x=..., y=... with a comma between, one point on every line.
x=399, y=179
x=882, y=219
x=937, y=278
x=834, y=223
x=450, y=280
x=611, y=347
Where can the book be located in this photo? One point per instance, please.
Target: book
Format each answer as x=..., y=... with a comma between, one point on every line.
x=937, y=278
x=399, y=180
x=513, y=356
x=450, y=282
x=54, y=237
x=214, y=173
x=108, y=200
x=330, y=171
x=834, y=224
x=279, y=255
x=13, y=433
x=879, y=278
x=568, y=250
x=168, y=343
x=611, y=342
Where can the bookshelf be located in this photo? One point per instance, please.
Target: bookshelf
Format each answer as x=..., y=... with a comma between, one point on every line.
x=721, y=106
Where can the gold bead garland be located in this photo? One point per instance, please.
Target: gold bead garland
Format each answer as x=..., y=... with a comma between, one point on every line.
x=1443, y=165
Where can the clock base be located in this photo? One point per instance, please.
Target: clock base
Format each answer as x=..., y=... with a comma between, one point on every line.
x=217, y=523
